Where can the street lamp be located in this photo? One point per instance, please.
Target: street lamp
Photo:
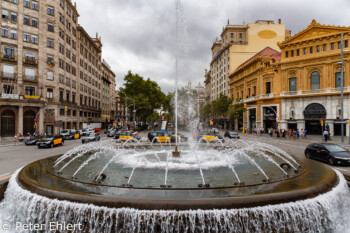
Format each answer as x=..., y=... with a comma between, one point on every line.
x=342, y=85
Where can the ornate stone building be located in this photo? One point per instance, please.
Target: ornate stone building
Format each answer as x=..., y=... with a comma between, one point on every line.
x=50, y=68
x=302, y=87
x=310, y=77
x=237, y=44
x=256, y=82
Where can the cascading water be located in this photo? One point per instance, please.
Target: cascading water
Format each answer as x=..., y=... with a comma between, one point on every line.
x=236, y=186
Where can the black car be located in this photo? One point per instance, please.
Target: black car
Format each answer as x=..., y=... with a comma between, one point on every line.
x=33, y=140
x=332, y=154
x=181, y=138
x=93, y=137
x=231, y=134
x=51, y=141
x=116, y=135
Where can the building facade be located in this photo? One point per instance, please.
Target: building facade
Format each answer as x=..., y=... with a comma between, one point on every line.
x=50, y=68
x=237, y=44
x=257, y=83
x=311, y=79
x=108, y=95
x=122, y=114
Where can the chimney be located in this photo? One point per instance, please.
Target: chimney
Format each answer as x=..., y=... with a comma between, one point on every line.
x=279, y=21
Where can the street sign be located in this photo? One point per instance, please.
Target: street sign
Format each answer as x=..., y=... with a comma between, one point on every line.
x=35, y=119
x=163, y=117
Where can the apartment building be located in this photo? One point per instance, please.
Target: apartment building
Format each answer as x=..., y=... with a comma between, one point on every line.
x=237, y=44
x=50, y=68
x=108, y=91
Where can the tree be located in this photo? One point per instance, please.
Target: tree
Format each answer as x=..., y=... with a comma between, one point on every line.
x=236, y=110
x=221, y=105
x=146, y=93
x=168, y=106
x=205, y=112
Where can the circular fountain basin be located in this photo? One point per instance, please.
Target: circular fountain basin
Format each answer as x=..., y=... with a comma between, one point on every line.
x=244, y=186
x=142, y=185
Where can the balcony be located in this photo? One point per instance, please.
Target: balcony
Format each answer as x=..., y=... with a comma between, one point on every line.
x=253, y=98
x=30, y=60
x=9, y=76
x=314, y=92
x=266, y=96
x=30, y=78
x=9, y=57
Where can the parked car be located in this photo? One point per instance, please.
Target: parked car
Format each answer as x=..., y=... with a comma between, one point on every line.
x=93, y=137
x=117, y=135
x=72, y=136
x=111, y=132
x=126, y=136
x=33, y=140
x=86, y=132
x=65, y=132
x=51, y=141
x=181, y=138
x=210, y=137
x=332, y=154
x=161, y=135
x=231, y=134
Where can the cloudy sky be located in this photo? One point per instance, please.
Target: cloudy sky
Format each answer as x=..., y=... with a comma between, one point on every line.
x=140, y=35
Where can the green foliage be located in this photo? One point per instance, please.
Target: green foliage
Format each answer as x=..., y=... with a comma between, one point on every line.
x=168, y=107
x=236, y=110
x=147, y=95
x=205, y=111
x=221, y=105
x=136, y=129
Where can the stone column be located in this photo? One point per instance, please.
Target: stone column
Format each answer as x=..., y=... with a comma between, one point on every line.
x=20, y=120
x=301, y=124
x=331, y=126
x=283, y=124
x=41, y=121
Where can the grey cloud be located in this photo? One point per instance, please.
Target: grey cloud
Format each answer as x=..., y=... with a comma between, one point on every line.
x=139, y=35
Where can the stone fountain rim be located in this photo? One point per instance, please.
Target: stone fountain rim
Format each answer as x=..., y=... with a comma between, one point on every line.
x=329, y=181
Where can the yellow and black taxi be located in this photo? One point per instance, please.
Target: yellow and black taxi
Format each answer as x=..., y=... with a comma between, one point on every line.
x=51, y=141
x=159, y=136
x=180, y=137
x=125, y=136
x=33, y=140
x=73, y=135
x=210, y=137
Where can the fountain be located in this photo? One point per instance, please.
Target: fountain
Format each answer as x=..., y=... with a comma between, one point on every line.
x=231, y=186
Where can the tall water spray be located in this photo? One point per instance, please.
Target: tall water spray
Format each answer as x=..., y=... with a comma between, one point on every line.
x=180, y=50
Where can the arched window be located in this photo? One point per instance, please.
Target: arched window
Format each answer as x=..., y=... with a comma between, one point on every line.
x=338, y=80
x=315, y=80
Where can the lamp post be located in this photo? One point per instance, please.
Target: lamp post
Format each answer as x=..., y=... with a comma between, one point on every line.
x=342, y=86
x=126, y=105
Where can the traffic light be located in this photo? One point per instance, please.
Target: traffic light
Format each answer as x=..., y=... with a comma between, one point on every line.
x=66, y=108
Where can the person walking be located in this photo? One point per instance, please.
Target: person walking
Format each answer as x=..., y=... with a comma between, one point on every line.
x=302, y=133
x=325, y=134
x=305, y=133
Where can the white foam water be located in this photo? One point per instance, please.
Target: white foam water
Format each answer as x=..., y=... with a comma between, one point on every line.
x=325, y=213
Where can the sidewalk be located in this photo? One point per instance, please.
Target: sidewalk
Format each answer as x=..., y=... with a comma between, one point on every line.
x=309, y=139
x=9, y=141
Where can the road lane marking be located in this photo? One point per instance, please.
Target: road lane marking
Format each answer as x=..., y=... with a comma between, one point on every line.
x=5, y=174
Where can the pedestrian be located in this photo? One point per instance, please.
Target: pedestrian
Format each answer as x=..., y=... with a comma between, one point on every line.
x=302, y=133
x=305, y=132
x=325, y=134
x=298, y=133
